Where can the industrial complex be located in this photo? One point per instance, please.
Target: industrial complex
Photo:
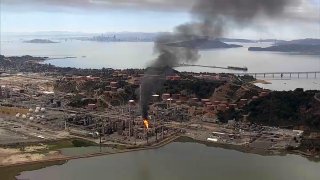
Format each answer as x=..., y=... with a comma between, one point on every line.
x=104, y=107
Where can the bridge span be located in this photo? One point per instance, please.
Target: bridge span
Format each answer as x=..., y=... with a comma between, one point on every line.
x=282, y=75
x=273, y=75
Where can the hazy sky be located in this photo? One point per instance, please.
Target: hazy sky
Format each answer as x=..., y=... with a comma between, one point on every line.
x=144, y=16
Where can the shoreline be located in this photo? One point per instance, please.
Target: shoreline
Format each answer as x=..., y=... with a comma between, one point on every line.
x=177, y=138
x=35, y=165
x=245, y=149
x=13, y=170
x=66, y=158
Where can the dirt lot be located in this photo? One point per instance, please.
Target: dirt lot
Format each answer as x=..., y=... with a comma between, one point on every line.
x=10, y=137
x=30, y=153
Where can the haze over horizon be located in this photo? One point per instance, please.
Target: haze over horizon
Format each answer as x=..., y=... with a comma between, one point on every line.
x=101, y=16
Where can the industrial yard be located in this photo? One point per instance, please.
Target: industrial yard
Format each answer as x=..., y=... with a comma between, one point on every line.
x=108, y=107
x=33, y=112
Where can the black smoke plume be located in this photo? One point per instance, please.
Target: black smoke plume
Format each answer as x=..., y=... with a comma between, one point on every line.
x=211, y=18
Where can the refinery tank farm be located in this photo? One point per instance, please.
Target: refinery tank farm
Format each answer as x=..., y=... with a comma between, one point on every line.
x=52, y=114
x=49, y=107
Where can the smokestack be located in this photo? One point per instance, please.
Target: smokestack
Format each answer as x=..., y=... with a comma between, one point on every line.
x=211, y=18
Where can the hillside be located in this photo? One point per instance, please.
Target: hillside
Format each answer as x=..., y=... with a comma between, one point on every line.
x=292, y=48
x=307, y=41
x=228, y=40
x=296, y=109
x=203, y=44
x=43, y=41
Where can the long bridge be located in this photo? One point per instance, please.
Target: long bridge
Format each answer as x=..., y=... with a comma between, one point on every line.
x=305, y=74
x=292, y=74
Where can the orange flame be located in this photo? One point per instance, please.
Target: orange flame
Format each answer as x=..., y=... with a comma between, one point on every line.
x=146, y=123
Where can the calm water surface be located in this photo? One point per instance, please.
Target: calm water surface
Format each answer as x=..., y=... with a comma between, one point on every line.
x=139, y=54
x=182, y=161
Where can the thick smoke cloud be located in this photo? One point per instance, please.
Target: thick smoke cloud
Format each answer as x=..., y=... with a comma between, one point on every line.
x=210, y=20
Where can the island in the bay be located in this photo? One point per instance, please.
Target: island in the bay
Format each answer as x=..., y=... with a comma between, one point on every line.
x=301, y=46
x=203, y=44
x=40, y=41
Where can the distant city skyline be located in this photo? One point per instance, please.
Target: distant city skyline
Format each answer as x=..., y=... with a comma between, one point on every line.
x=101, y=16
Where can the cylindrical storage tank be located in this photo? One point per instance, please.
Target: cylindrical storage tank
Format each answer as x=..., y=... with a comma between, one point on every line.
x=43, y=109
x=205, y=100
x=24, y=116
x=208, y=104
x=255, y=97
x=170, y=100
x=114, y=84
x=36, y=111
x=216, y=102
x=195, y=99
x=225, y=102
x=30, y=110
x=165, y=96
x=18, y=115
x=244, y=101
x=155, y=97
x=131, y=102
x=91, y=106
x=31, y=118
x=233, y=106
x=114, y=89
x=222, y=107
